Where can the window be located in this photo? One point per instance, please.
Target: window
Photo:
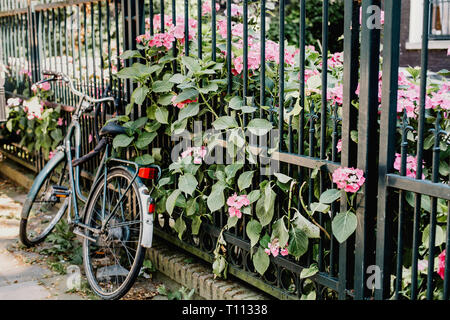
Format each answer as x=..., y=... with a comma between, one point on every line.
x=439, y=31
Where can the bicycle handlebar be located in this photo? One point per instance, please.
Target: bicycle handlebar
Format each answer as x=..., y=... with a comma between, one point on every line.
x=67, y=79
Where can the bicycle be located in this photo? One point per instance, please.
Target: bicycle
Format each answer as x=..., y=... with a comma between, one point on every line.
x=116, y=222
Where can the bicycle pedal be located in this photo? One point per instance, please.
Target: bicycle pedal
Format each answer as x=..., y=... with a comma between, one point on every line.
x=60, y=191
x=80, y=233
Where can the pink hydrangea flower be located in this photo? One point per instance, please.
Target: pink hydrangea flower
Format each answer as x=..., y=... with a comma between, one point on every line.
x=235, y=203
x=349, y=179
x=206, y=7
x=441, y=265
x=274, y=248
x=51, y=154
x=182, y=104
x=60, y=121
x=198, y=153
x=336, y=94
x=336, y=60
x=411, y=165
x=339, y=145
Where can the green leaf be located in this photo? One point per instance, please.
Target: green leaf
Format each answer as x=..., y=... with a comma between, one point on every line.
x=139, y=95
x=180, y=227
x=253, y=230
x=329, y=196
x=162, y=86
x=298, y=242
x=343, y=225
x=145, y=139
x=254, y=196
x=188, y=183
x=236, y=103
x=216, y=199
x=280, y=232
x=191, y=207
x=232, y=222
x=187, y=94
x=191, y=63
x=309, y=228
x=245, y=180
x=122, y=141
x=225, y=122
x=177, y=78
x=196, y=223
x=165, y=100
x=282, y=177
x=144, y=160
x=259, y=127
x=171, y=201
x=128, y=54
x=265, y=215
x=162, y=115
x=309, y=272
x=354, y=135
x=261, y=261
x=231, y=169
x=439, y=238
x=190, y=110
x=211, y=87
x=319, y=207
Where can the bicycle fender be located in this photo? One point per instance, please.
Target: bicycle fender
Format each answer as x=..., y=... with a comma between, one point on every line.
x=59, y=155
x=146, y=199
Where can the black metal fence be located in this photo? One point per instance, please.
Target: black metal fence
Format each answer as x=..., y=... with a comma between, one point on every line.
x=85, y=38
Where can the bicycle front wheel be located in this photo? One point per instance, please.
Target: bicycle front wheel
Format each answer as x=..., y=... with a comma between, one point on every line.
x=44, y=208
x=114, y=260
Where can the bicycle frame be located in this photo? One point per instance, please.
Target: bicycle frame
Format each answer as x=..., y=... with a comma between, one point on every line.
x=65, y=151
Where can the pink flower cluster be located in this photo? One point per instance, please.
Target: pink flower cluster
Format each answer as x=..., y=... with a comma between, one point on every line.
x=235, y=203
x=411, y=165
x=275, y=249
x=198, y=153
x=349, y=179
x=336, y=94
x=441, y=266
x=206, y=8
x=172, y=32
x=336, y=60
x=43, y=86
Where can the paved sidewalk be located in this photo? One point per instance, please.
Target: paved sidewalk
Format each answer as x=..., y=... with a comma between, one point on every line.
x=22, y=275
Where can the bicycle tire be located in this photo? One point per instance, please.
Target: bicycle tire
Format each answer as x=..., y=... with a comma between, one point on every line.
x=36, y=192
x=97, y=255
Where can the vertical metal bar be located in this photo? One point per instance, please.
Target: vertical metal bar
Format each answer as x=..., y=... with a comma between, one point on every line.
x=213, y=29
x=367, y=143
x=388, y=123
x=186, y=27
x=229, y=74
x=323, y=116
x=420, y=141
x=433, y=217
x=94, y=62
x=349, y=123
x=199, y=28
x=446, y=293
x=262, y=72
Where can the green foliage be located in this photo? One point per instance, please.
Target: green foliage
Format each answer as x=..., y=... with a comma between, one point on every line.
x=314, y=19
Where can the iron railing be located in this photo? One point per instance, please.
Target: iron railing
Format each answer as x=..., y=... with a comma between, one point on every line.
x=69, y=35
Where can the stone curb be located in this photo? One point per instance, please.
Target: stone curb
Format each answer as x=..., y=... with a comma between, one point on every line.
x=197, y=275
x=180, y=267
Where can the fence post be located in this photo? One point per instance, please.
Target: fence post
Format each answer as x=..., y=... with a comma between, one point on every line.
x=367, y=146
x=349, y=123
x=33, y=42
x=391, y=52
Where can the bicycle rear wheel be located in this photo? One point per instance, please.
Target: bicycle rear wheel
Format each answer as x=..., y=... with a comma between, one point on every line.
x=42, y=210
x=114, y=260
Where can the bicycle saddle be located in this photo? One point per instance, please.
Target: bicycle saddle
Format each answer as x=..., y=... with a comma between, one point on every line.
x=111, y=129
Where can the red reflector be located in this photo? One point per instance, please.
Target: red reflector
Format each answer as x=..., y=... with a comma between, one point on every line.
x=147, y=173
x=151, y=208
